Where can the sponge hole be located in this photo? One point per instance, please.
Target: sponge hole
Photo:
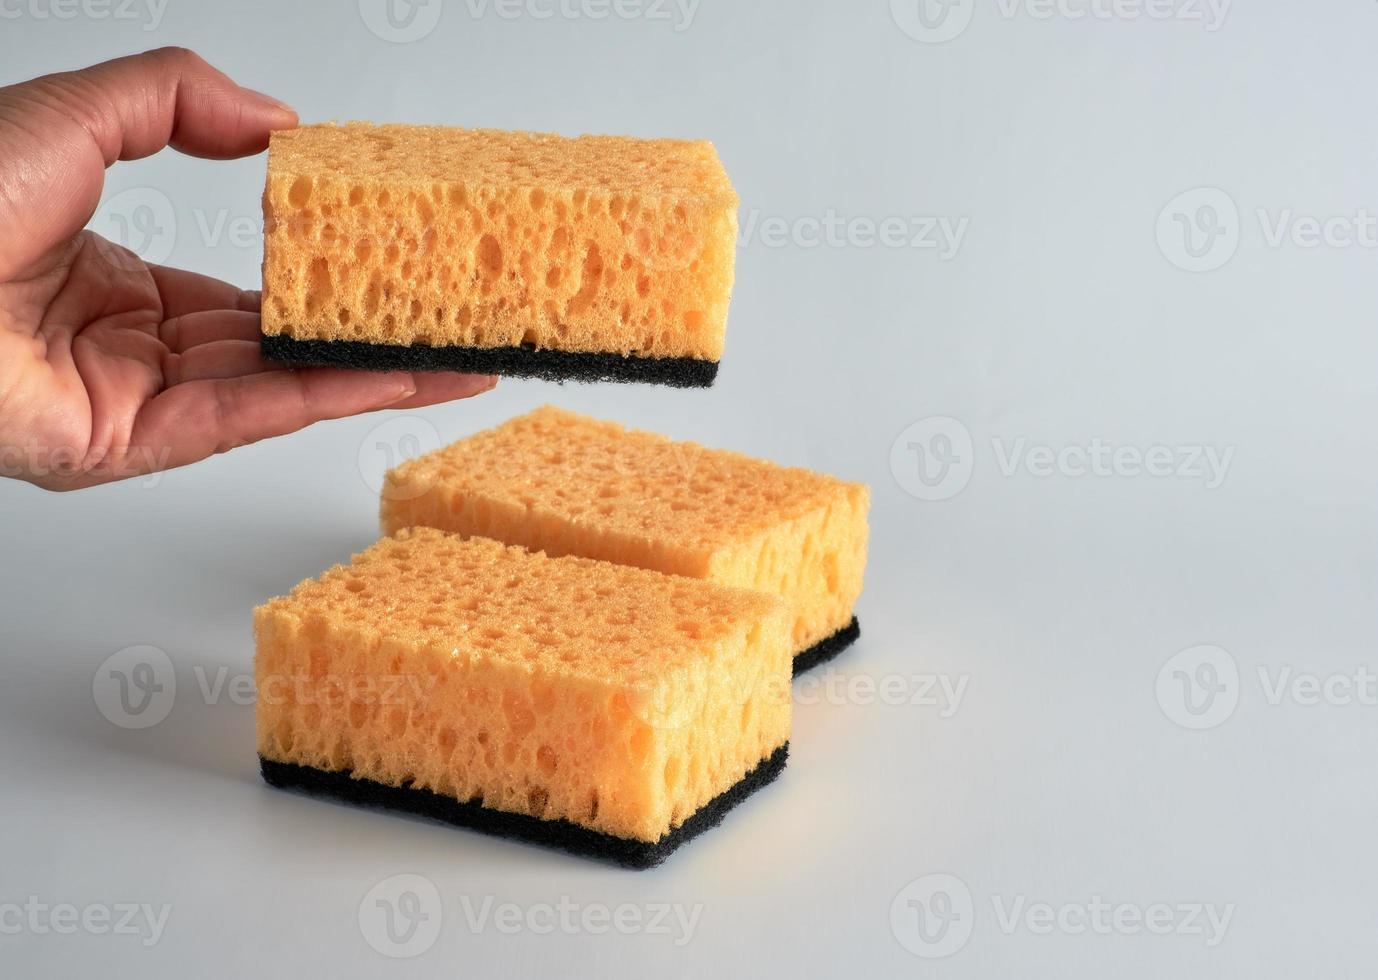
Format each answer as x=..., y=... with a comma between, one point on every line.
x=300, y=193
x=488, y=257
x=319, y=287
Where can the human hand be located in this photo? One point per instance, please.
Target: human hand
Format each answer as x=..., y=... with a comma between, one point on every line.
x=111, y=367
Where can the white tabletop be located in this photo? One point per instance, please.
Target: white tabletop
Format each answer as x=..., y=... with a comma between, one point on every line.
x=1113, y=710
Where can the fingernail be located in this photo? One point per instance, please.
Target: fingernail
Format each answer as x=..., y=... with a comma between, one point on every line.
x=407, y=391
x=276, y=103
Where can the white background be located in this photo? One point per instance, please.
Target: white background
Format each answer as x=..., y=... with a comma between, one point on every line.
x=1064, y=317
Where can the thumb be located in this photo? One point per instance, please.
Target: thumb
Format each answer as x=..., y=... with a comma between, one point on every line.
x=61, y=131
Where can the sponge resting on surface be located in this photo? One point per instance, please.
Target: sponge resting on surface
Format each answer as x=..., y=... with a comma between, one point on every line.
x=561, y=834
x=567, y=484
x=827, y=648
x=615, y=698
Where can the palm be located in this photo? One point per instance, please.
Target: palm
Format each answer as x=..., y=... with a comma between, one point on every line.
x=105, y=350
x=110, y=367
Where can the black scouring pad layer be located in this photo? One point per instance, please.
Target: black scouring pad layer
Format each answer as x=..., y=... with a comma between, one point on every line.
x=517, y=362
x=827, y=648
x=560, y=834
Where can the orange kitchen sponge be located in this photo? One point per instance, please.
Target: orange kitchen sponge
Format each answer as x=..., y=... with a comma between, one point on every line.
x=571, y=485
x=606, y=709
x=530, y=253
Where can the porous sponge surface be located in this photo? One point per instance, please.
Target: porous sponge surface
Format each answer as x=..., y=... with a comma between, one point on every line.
x=571, y=485
x=619, y=699
x=486, y=238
